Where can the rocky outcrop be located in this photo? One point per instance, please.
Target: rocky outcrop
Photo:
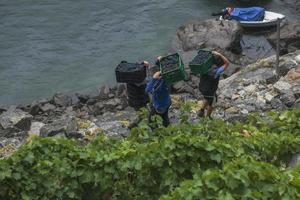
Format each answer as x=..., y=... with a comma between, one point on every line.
x=210, y=33
x=61, y=99
x=289, y=37
x=226, y=37
x=15, y=118
x=293, y=3
x=257, y=88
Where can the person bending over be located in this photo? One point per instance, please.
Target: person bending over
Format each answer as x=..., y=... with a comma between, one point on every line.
x=209, y=83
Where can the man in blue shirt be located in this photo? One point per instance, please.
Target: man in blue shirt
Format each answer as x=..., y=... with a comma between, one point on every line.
x=160, y=100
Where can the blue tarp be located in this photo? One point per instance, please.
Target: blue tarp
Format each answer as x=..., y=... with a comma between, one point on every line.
x=248, y=14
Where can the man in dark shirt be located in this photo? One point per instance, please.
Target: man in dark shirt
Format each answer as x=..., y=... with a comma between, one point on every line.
x=209, y=83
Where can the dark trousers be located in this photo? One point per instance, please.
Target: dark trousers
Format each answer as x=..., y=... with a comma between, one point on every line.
x=164, y=115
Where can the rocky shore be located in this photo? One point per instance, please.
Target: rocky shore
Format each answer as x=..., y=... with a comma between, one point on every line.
x=252, y=85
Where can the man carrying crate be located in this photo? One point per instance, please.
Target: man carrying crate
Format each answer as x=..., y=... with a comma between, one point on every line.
x=209, y=83
x=160, y=96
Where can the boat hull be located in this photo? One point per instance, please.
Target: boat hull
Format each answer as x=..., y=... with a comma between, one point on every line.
x=270, y=19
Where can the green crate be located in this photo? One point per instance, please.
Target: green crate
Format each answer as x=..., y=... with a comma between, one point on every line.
x=174, y=74
x=202, y=68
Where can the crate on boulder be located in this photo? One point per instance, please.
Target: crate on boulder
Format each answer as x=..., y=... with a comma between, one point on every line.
x=172, y=68
x=202, y=62
x=130, y=72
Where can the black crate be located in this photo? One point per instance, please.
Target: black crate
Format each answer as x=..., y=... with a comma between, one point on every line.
x=133, y=89
x=130, y=73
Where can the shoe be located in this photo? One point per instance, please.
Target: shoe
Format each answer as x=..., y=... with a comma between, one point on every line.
x=201, y=113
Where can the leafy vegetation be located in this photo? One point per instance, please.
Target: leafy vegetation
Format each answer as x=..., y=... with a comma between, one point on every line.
x=209, y=160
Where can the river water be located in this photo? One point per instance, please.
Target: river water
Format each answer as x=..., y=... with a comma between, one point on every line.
x=48, y=46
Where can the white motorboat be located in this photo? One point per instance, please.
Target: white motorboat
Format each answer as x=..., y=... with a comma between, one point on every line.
x=270, y=19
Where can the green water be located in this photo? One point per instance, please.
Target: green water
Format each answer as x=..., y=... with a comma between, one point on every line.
x=48, y=46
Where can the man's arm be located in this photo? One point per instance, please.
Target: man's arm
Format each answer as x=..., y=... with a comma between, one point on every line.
x=153, y=81
x=225, y=60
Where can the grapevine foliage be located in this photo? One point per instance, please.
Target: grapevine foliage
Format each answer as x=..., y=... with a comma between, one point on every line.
x=209, y=160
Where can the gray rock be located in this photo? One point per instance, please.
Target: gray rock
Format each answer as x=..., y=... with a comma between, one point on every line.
x=98, y=108
x=56, y=128
x=293, y=46
x=121, y=90
x=111, y=104
x=12, y=145
x=277, y=104
x=264, y=75
x=62, y=99
x=285, y=65
x=114, y=128
x=35, y=128
x=210, y=33
x=288, y=99
x=251, y=89
x=297, y=59
x=91, y=101
x=15, y=118
x=75, y=135
x=297, y=103
x=2, y=110
x=256, y=47
x=72, y=126
x=35, y=107
x=228, y=93
x=104, y=92
x=83, y=98
x=183, y=87
x=50, y=130
x=290, y=33
x=74, y=99
x=269, y=96
x=9, y=132
x=47, y=108
x=235, y=118
x=282, y=86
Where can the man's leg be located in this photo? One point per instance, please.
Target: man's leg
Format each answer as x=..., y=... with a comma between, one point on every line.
x=165, y=117
x=151, y=113
x=202, y=110
x=209, y=106
x=209, y=111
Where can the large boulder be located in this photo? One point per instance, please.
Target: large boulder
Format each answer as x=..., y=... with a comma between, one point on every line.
x=2, y=110
x=116, y=124
x=256, y=47
x=294, y=4
x=15, y=118
x=210, y=33
x=289, y=37
x=60, y=126
x=35, y=128
x=62, y=99
x=40, y=107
